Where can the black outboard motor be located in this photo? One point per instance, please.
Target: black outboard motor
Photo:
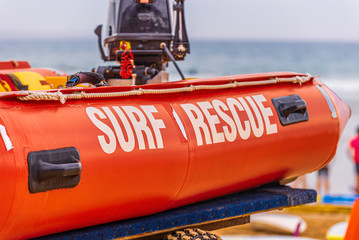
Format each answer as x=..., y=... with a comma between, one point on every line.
x=139, y=36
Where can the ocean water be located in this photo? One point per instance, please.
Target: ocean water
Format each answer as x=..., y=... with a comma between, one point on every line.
x=337, y=64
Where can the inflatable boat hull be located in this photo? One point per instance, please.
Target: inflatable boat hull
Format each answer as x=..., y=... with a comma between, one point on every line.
x=130, y=156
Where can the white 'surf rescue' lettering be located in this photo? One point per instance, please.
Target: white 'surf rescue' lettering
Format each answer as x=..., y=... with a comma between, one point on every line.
x=131, y=126
x=242, y=117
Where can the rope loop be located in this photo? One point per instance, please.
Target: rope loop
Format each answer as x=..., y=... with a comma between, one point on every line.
x=61, y=97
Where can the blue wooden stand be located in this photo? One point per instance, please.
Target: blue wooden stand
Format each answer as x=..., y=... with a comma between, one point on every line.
x=217, y=213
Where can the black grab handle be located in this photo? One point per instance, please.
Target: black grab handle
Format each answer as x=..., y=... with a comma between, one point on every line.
x=54, y=169
x=47, y=170
x=296, y=106
x=291, y=109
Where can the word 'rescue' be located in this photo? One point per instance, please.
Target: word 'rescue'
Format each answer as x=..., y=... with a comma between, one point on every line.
x=242, y=117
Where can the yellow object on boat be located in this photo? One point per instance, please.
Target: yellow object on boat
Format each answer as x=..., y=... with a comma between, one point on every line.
x=4, y=87
x=60, y=82
x=57, y=82
x=34, y=80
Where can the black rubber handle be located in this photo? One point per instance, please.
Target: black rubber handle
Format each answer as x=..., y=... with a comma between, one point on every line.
x=47, y=170
x=54, y=169
x=291, y=109
x=297, y=106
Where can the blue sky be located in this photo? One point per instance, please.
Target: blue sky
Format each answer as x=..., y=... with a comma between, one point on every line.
x=294, y=20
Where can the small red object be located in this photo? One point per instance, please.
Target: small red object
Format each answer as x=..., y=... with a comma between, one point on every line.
x=126, y=63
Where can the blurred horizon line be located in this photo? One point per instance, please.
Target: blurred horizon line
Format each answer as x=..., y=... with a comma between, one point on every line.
x=194, y=40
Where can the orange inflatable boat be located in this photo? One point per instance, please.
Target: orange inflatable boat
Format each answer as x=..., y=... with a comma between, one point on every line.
x=79, y=157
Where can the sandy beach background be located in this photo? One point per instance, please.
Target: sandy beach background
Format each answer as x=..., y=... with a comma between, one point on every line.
x=318, y=224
